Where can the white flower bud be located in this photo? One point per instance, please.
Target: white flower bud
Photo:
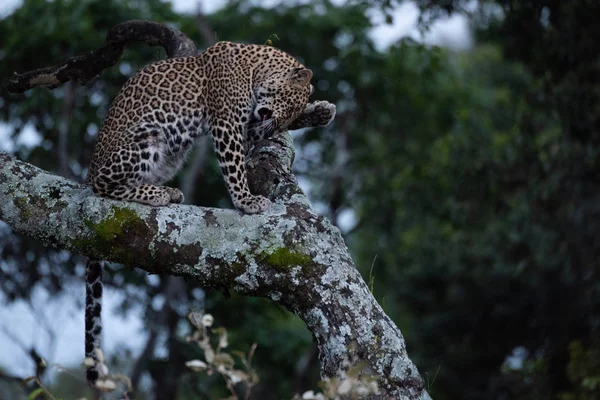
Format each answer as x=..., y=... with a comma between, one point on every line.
x=196, y=365
x=207, y=320
x=105, y=385
x=345, y=386
x=88, y=362
x=99, y=355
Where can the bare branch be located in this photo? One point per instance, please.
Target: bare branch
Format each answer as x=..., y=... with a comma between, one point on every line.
x=83, y=69
x=40, y=366
x=208, y=34
x=172, y=288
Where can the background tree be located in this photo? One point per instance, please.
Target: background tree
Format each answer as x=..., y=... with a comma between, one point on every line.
x=488, y=229
x=471, y=177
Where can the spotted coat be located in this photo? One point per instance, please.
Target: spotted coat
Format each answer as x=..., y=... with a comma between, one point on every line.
x=238, y=93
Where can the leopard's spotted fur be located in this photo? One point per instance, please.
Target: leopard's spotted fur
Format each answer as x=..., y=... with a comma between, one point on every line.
x=238, y=93
x=159, y=112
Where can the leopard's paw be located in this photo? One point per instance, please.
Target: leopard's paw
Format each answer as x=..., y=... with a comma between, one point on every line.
x=321, y=112
x=175, y=195
x=253, y=204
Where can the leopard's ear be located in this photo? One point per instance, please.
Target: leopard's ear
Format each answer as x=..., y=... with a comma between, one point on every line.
x=301, y=76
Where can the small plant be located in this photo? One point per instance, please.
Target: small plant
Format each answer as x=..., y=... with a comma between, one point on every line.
x=352, y=385
x=218, y=361
x=40, y=390
x=106, y=382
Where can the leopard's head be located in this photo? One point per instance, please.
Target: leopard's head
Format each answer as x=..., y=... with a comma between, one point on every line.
x=281, y=99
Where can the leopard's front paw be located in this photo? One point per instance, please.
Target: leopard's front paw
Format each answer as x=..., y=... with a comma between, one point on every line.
x=253, y=204
x=175, y=195
x=321, y=112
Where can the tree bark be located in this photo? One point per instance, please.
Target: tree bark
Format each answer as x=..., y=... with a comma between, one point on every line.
x=288, y=253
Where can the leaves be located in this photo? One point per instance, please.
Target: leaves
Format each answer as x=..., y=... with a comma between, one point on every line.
x=35, y=394
x=218, y=361
x=473, y=177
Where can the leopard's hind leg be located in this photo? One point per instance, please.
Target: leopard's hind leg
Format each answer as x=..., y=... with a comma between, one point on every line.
x=152, y=195
x=135, y=171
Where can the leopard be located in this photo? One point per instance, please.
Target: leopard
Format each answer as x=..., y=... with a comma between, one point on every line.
x=237, y=93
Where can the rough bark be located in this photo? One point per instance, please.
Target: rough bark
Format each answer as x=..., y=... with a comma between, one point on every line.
x=288, y=254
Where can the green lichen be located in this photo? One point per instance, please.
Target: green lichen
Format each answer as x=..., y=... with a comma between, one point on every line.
x=112, y=226
x=107, y=232
x=110, y=252
x=22, y=203
x=283, y=258
x=82, y=243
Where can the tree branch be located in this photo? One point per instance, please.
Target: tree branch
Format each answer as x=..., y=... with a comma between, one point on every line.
x=85, y=68
x=288, y=254
x=208, y=34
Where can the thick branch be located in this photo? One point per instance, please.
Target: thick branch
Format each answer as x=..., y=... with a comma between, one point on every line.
x=288, y=254
x=83, y=69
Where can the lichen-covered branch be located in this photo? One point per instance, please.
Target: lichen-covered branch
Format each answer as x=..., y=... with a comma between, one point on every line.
x=83, y=69
x=288, y=254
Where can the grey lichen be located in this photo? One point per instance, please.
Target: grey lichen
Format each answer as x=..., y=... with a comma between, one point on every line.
x=288, y=254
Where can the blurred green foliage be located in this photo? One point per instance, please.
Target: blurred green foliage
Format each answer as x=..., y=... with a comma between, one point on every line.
x=472, y=178
x=583, y=371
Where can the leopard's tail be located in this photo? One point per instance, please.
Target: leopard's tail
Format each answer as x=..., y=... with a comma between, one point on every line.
x=94, y=359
